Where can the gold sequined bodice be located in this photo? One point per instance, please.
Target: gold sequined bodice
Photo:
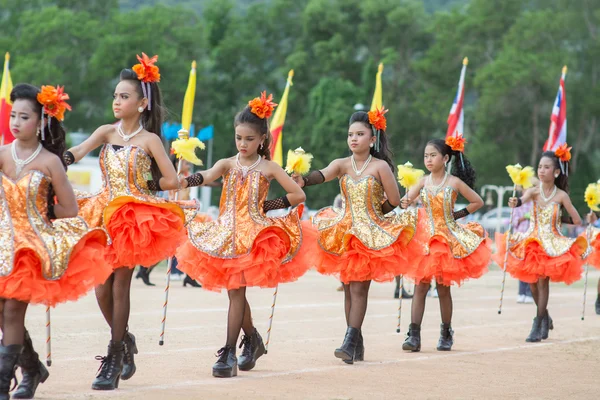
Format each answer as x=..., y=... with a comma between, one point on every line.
x=125, y=172
x=25, y=226
x=241, y=218
x=544, y=228
x=462, y=239
x=361, y=216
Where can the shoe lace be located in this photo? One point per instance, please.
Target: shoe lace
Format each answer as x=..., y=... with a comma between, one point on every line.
x=104, y=370
x=222, y=354
x=246, y=343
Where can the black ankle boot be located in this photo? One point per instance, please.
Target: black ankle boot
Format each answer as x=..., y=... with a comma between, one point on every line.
x=128, y=356
x=226, y=366
x=34, y=371
x=9, y=355
x=536, y=331
x=348, y=349
x=109, y=372
x=253, y=349
x=144, y=274
x=413, y=338
x=189, y=281
x=359, y=354
x=446, y=340
x=547, y=325
x=598, y=305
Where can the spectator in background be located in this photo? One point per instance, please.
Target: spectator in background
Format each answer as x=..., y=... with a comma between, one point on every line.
x=520, y=224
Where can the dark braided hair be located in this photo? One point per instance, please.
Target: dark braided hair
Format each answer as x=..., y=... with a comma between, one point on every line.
x=462, y=169
x=246, y=116
x=384, y=152
x=54, y=133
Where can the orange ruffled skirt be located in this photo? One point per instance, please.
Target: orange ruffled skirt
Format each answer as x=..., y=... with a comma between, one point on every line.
x=143, y=235
x=537, y=264
x=358, y=263
x=440, y=264
x=261, y=267
x=594, y=258
x=86, y=269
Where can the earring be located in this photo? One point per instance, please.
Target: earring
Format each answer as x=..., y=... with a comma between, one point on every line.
x=556, y=175
x=445, y=163
x=371, y=145
x=140, y=109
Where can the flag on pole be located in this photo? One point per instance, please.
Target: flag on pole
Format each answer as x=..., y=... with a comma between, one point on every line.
x=188, y=100
x=377, y=102
x=278, y=121
x=456, y=118
x=5, y=104
x=557, y=134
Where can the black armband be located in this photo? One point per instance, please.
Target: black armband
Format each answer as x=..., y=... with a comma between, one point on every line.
x=154, y=186
x=387, y=207
x=68, y=158
x=195, y=179
x=313, y=178
x=276, y=204
x=460, y=213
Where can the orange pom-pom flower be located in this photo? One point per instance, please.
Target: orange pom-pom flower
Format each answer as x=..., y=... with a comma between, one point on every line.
x=456, y=143
x=54, y=101
x=262, y=106
x=146, y=70
x=377, y=119
x=563, y=153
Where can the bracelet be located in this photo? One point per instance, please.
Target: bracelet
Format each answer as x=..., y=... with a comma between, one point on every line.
x=195, y=179
x=68, y=158
x=519, y=202
x=460, y=214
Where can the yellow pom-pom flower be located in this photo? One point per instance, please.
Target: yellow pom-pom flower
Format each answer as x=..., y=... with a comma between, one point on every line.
x=408, y=176
x=592, y=196
x=521, y=176
x=298, y=161
x=186, y=149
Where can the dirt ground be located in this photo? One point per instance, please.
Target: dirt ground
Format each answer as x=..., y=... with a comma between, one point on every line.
x=490, y=358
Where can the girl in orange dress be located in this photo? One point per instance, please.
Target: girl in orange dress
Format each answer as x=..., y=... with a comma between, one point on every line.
x=444, y=250
x=363, y=240
x=543, y=254
x=143, y=229
x=43, y=260
x=244, y=247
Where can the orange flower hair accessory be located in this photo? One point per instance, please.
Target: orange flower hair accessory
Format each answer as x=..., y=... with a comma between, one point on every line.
x=377, y=119
x=456, y=143
x=262, y=106
x=54, y=101
x=563, y=153
x=146, y=70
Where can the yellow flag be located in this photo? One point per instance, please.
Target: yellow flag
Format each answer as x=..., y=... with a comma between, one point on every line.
x=278, y=121
x=188, y=100
x=378, y=95
x=5, y=104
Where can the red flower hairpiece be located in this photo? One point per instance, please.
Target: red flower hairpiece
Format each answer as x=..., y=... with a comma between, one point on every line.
x=457, y=142
x=54, y=101
x=262, y=106
x=563, y=153
x=377, y=118
x=146, y=70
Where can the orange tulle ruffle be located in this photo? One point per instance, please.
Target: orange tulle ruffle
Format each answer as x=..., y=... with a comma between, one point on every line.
x=261, y=267
x=594, y=258
x=538, y=264
x=143, y=234
x=87, y=268
x=440, y=264
x=358, y=263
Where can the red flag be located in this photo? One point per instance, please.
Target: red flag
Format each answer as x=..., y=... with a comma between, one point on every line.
x=5, y=104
